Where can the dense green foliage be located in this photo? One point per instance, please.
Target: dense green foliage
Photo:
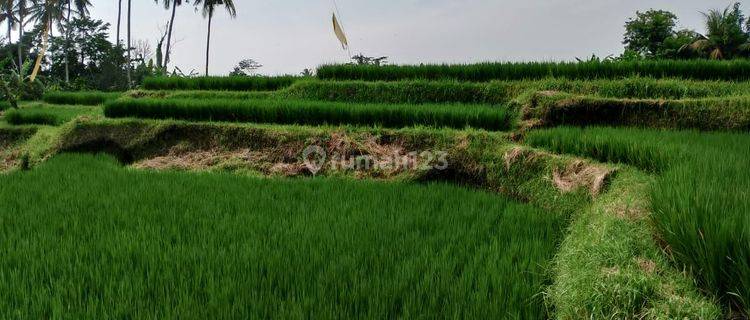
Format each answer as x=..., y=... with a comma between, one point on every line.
x=314, y=112
x=256, y=83
x=732, y=113
x=86, y=98
x=701, y=200
x=99, y=247
x=47, y=115
x=684, y=69
x=651, y=34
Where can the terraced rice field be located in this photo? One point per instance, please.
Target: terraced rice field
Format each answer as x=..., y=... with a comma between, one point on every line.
x=606, y=191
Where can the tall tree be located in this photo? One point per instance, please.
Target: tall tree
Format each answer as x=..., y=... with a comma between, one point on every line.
x=6, y=15
x=647, y=32
x=726, y=35
x=22, y=10
x=170, y=4
x=119, y=20
x=82, y=8
x=209, y=7
x=130, y=48
x=47, y=13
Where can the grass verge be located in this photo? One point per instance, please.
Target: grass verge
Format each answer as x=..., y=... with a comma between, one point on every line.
x=701, y=174
x=731, y=113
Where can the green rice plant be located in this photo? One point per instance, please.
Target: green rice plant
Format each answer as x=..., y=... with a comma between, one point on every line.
x=644, y=88
x=501, y=92
x=201, y=94
x=314, y=113
x=700, y=201
x=87, y=98
x=413, y=92
x=255, y=83
x=259, y=248
x=683, y=69
x=730, y=113
x=40, y=114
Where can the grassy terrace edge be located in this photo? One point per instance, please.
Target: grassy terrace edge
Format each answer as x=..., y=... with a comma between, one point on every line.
x=697, y=176
x=619, y=267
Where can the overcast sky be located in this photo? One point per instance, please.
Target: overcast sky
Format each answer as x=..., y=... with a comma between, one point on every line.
x=287, y=36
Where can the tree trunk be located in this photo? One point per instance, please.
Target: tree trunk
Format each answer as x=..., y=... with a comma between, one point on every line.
x=10, y=25
x=130, y=80
x=119, y=18
x=169, y=35
x=40, y=57
x=67, y=46
x=208, y=40
x=20, y=42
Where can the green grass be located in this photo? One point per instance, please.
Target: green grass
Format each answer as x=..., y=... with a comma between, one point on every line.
x=41, y=114
x=88, y=98
x=254, y=83
x=700, y=201
x=98, y=246
x=313, y=112
x=726, y=113
x=683, y=69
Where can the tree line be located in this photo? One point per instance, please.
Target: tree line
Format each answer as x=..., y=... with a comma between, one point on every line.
x=81, y=56
x=653, y=35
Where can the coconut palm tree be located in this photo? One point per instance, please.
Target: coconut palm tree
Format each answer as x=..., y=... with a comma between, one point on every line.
x=6, y=15
x=119, y=20
x=173, y=4
x=82, y=8
x=725, y=36
x=209, y=7
x=21, y=11
x=130, y=46
x=47, y=13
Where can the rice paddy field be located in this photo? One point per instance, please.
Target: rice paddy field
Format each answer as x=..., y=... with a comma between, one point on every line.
x=597, y=190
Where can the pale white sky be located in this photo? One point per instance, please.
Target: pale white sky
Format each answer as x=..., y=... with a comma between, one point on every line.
x=289, y=35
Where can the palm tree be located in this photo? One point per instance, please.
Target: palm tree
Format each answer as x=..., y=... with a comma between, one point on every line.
x=209, y=7
x=130, y=47
x=119, y=19
x=173, y=4
x=6, y=15
x=46, y=12
x=725, y=37
x=82, y=8
x=21, y=10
